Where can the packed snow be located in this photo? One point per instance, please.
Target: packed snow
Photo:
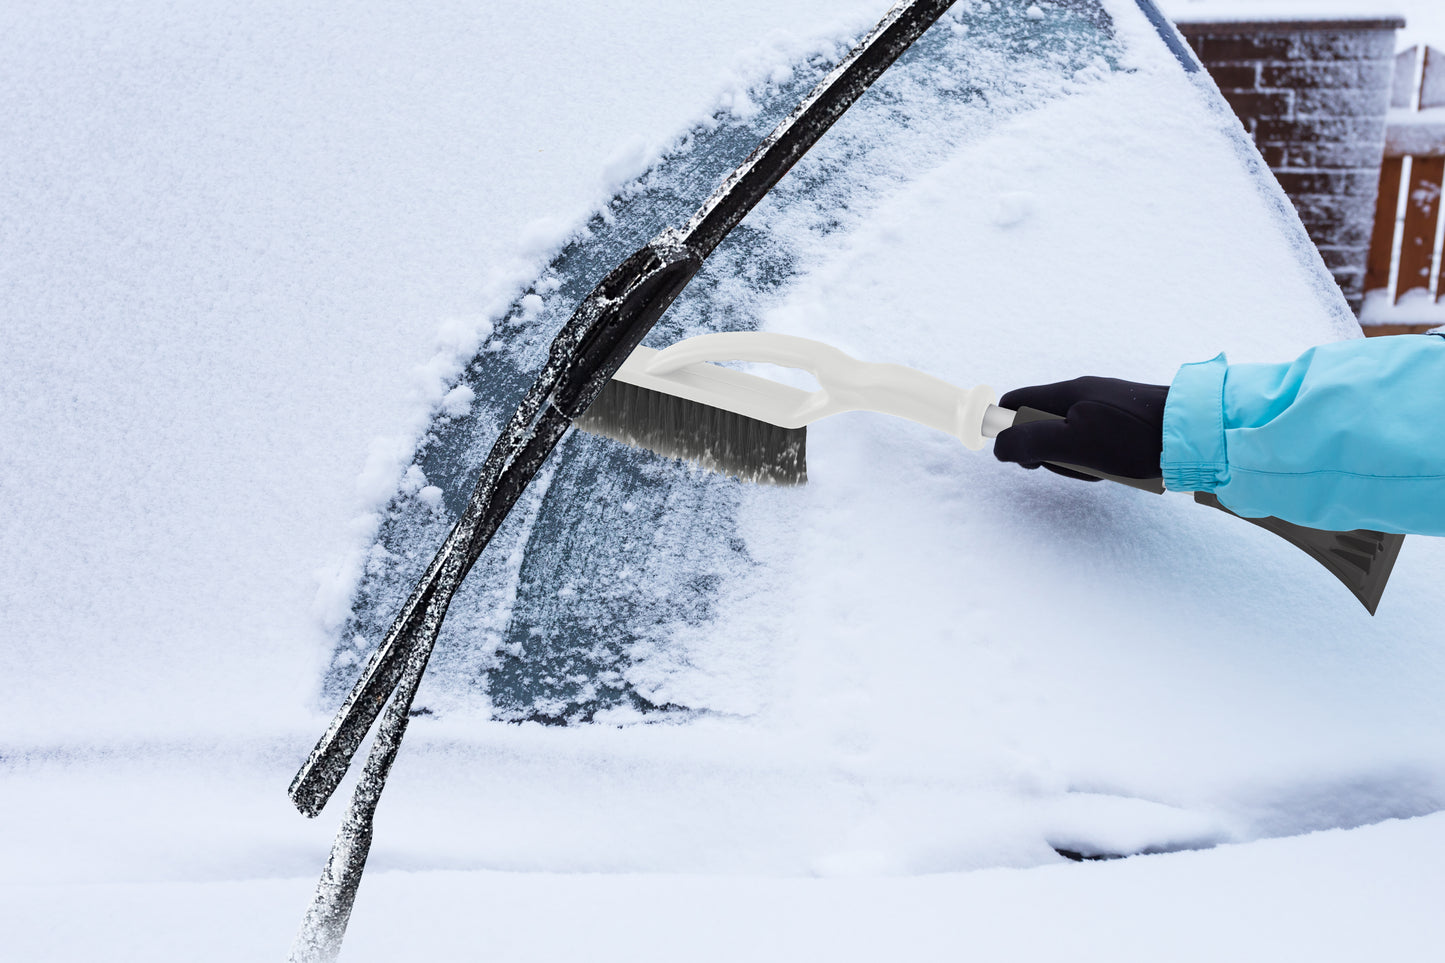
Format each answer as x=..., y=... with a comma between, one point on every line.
x=249, y=257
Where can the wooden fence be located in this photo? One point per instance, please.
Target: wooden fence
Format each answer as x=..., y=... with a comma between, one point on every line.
x=1405, y=249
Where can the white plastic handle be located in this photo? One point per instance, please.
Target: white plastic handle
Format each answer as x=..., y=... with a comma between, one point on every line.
x=845, y=383
x=762, y=347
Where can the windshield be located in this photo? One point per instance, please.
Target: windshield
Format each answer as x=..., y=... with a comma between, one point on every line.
x=606, y=585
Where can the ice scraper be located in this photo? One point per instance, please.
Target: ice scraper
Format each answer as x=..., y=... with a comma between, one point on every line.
x=680, y=402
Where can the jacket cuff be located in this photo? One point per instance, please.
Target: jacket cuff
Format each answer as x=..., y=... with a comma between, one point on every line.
x=1193, y=458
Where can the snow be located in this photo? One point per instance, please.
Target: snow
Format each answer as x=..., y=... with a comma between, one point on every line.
x=217, y=219
x=1414, y=307
x=243, y=277
x=1363, y=894
x=1430, y=117
x=458, y=401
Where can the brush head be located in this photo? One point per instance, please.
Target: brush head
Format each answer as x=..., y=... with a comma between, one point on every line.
x=710, y=437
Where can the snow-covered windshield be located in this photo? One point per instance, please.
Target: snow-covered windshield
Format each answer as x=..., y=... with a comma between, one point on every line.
x=1002, y=183
x=589, y=598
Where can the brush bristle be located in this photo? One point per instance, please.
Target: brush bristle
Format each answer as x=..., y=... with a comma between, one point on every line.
x=713, y=438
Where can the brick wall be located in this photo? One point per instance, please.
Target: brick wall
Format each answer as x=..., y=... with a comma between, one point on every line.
x=1313, y=95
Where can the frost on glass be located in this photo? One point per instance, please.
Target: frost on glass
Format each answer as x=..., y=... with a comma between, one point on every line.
x=612, y=550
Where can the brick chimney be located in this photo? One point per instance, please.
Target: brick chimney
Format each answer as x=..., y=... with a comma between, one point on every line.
x=1313, y=94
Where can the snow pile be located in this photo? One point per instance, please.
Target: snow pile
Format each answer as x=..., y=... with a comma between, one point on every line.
x=1414, y=307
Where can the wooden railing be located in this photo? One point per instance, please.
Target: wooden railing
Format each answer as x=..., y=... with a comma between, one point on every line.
x=1403, y=275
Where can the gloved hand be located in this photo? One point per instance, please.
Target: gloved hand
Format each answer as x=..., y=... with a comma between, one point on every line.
x=1115, y=427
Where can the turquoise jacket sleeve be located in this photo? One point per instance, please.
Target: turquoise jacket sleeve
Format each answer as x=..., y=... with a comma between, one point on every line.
x=1349, y=435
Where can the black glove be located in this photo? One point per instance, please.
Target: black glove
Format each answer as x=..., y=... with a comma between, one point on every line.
x=1115, y=427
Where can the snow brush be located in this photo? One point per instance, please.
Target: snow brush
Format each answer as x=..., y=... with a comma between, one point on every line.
x=681, y=403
